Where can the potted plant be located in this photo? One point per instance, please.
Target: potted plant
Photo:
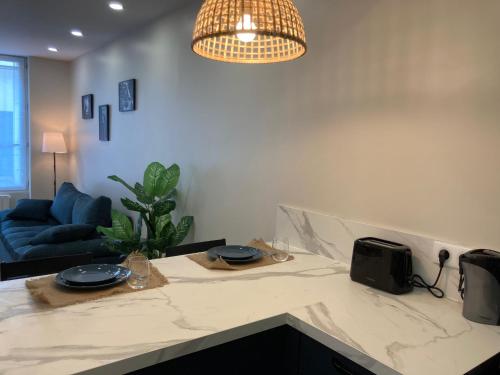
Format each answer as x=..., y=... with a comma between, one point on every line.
x=155, y=202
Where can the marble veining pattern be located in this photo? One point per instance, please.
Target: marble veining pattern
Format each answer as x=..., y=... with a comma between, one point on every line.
x=334, y=237
x=321, y=318
x=201, y=308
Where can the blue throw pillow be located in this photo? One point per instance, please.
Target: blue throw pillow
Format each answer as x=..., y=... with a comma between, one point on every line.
x=62, y=208
x=92, y=211
x=63, y=233
x=31, y=209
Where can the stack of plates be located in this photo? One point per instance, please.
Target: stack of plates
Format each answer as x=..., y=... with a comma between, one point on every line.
x=235, y=254
x=93, y=276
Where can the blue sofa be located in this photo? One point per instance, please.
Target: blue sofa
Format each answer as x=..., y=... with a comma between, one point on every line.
x=38, y=229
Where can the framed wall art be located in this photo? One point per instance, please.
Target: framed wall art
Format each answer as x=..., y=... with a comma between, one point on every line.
x=88, y=107
x=126, y=95
x=104, y=122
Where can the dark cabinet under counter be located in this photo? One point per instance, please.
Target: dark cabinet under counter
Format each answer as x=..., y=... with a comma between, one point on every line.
x=317, y=359
x=490, y=367
x=281, y=351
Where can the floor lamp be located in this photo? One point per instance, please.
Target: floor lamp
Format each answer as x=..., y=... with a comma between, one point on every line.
x=53, y=142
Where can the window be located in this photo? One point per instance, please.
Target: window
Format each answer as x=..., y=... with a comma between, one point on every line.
x=13, y=137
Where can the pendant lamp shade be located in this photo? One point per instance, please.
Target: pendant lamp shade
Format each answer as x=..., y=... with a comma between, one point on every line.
x=249, y=31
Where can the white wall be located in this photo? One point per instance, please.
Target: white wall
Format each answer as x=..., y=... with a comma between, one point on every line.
x=50, y=101
x=392, y=119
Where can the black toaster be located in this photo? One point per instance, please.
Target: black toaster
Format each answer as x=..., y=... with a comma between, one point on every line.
x=382, y=265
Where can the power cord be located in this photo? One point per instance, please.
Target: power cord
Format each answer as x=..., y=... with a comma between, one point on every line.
x=461, y=287
x=418, y=282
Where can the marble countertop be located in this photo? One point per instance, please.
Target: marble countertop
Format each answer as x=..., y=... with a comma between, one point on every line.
x=409, y=334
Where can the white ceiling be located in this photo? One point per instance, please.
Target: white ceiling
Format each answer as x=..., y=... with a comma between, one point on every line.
x=28, y=27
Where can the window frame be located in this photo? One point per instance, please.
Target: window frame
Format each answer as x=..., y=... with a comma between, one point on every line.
x=26, y=123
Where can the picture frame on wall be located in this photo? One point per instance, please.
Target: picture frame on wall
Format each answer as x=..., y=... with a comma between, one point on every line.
x=126, y=95
x=88, y=107
x=104, y=123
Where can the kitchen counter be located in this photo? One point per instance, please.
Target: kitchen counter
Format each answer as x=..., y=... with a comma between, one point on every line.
x=410, y=334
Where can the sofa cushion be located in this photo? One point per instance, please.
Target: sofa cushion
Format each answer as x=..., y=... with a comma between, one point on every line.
x=3, y=214
x=88, y=210
x=19, y=242
x=5, y=255
x=18, y=232
x=63, y=233
x=62, y=208
x=94, y=246
x=8, y=224
x=31, y=209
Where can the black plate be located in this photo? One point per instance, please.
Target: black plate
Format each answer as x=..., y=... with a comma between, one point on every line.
x=235, y=254
x=123, y=275
x=91, y=274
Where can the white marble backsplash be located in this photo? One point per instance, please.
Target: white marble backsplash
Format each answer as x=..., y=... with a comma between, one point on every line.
x=334, y=238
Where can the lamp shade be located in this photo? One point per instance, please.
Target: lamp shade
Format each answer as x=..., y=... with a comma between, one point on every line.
x=249, y=31
x=53, y=142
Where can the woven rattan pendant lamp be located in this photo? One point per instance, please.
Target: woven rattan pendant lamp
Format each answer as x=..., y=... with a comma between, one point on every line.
x=249, y=31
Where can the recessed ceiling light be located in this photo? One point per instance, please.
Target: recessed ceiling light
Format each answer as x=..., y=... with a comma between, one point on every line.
x=53, y=49
x=76, y=32
x=115, y=5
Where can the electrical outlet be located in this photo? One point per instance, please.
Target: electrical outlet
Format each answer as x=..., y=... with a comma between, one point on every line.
x=455, y=252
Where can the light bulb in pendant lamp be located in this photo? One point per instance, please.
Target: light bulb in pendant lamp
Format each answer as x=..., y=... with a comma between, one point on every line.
x=249, y=31
x=244, y=27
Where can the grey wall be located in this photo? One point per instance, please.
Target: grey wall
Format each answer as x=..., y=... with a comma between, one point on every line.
x=391, y=119
x=50, y=102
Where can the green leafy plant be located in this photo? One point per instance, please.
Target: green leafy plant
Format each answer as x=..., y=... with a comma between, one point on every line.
x=154, y=205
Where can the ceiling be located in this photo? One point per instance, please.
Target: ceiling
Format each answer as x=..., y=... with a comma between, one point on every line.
x=28, y=27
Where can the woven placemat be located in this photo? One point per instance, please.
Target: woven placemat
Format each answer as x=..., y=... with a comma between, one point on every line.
x=46, y=291
x=219, y=264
